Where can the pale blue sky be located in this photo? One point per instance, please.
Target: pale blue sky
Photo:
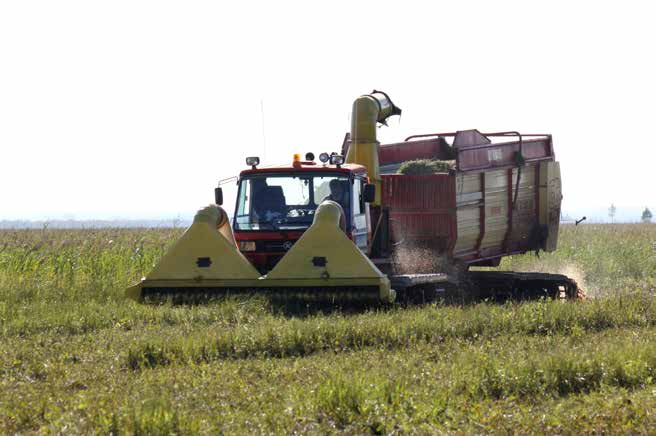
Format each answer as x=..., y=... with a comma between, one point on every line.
x=137, y=108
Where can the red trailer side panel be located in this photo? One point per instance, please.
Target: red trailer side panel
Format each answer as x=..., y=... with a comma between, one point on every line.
x=421, y=208
x=500, y=155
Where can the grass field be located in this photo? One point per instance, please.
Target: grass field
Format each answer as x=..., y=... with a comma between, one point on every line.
x=76, y=357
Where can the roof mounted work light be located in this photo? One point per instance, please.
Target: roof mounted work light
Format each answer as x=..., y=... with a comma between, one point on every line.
x=253, y=161
x=324, y=157
x=336, y=159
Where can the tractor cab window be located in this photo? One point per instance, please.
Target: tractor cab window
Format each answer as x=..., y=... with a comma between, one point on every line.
x=287, y=201
x=335, y=189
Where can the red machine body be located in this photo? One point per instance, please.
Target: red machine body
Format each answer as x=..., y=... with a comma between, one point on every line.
x=486, y=207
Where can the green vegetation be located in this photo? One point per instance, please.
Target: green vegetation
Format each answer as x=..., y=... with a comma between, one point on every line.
x=76, y=357
x=425, y=166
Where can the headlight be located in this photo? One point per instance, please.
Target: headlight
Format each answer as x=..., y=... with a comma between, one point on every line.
x=247, y=245
x=336, y=159
x=253, y=161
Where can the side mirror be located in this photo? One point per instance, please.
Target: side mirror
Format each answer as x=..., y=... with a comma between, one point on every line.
x=218, y=196
x=369, y=193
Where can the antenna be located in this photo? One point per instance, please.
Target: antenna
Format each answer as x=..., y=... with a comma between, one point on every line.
x=263, y=134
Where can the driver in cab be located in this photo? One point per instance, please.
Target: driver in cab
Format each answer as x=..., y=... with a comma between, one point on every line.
x=339, y=194
x=268, y=201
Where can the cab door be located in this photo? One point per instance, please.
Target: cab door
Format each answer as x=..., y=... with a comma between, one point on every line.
x=359, y=223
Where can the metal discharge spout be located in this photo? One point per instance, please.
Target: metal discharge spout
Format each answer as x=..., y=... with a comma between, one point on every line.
x=368, y=110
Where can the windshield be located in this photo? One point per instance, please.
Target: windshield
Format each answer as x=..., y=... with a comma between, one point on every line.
x=287, y=202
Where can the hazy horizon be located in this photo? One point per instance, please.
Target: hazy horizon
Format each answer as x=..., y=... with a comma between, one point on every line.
x=598, y=214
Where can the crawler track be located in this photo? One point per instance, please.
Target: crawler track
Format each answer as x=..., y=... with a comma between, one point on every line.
x=486, y=285
x=504, y=285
